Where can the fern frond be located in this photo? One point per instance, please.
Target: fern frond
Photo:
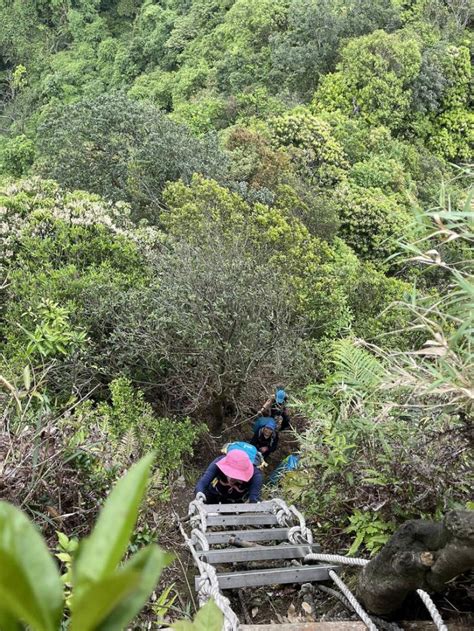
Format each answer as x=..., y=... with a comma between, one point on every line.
x=129, y=447
x=355, y=367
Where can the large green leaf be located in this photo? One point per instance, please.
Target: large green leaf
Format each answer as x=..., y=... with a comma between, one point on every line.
x=101, y=552
x=8, y=622
x=30, y=585
x=183, y=625
x=16, y=593
x=110, y=604
x=208, y=618
x=149, y=563
x=98, y=600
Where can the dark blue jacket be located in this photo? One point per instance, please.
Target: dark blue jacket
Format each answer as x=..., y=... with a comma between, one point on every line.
x=258, y=440
x=213, y=482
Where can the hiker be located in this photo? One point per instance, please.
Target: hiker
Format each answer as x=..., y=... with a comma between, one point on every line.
x=231, y=478
x=265, y=438
x=276, y=406
x=252, y=452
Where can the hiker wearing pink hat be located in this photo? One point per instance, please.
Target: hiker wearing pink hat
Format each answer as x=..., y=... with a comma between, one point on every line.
x=231, y=478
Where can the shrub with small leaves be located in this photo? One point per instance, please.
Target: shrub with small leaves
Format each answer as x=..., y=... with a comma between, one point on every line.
x=122, y=149
x=172, y=438
x=53, y=334
x=371, y=220
x=311, y=144
x=17, y=155
x=381, y=172
x=373, y=79
x=452, y=135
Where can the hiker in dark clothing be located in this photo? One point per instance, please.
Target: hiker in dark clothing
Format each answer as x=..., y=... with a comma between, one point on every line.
x=265, y=439
x=276, y=406
x=231, y=478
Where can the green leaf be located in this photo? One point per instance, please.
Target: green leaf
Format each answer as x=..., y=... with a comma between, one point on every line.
x=97, y=601
x=101, y=552
x=64, y=557
x=63, y=539
x=27, y=377
x=183, y=625
x=8, y=622
x=208, y=618
x=148, y=563
x=30, y=585
x=356, y=545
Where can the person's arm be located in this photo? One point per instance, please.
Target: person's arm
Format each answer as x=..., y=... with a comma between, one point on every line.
x=256, y=486
x=208, y=476
x=266, y=407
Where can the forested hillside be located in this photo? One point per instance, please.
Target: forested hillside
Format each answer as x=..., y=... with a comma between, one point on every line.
x=203, y=199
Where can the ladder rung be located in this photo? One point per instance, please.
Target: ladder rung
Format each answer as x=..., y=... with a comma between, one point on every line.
x=246, y=519
x=259, y=553
x=258, y=507
x=276, y=576
x=263, y=534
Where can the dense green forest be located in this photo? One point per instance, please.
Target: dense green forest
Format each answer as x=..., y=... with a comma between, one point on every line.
x=203, y=199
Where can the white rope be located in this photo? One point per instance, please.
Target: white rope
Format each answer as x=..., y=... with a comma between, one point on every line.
x=282, y=513
x=335, y=558
x=353, y=601
x=434, y=613
x=197, y=536
x=208, y=585
x=197, y=512
x=383, y=624
x=300, y=533
x=285, y=516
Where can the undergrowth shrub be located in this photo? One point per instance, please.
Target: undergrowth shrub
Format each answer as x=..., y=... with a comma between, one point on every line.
x=311, y=145
x=53, y=334
x=368, y=460
x=63, y=460
x=371, y=531
x=371, y=220
x=384, y=424
x=17, y=155
x=132, y=421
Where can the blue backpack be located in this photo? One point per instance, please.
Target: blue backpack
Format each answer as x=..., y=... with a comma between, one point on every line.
x=280, y=396
x=290, y=463
x=251, y=451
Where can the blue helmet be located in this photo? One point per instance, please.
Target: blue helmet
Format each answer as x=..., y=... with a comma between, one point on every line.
x=280, y=396
x=271, y=424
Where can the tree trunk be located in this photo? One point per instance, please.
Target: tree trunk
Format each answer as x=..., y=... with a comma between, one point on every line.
x=420, y=555
x=217, y=413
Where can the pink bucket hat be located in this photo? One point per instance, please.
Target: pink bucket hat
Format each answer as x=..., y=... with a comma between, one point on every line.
x=236, y=465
